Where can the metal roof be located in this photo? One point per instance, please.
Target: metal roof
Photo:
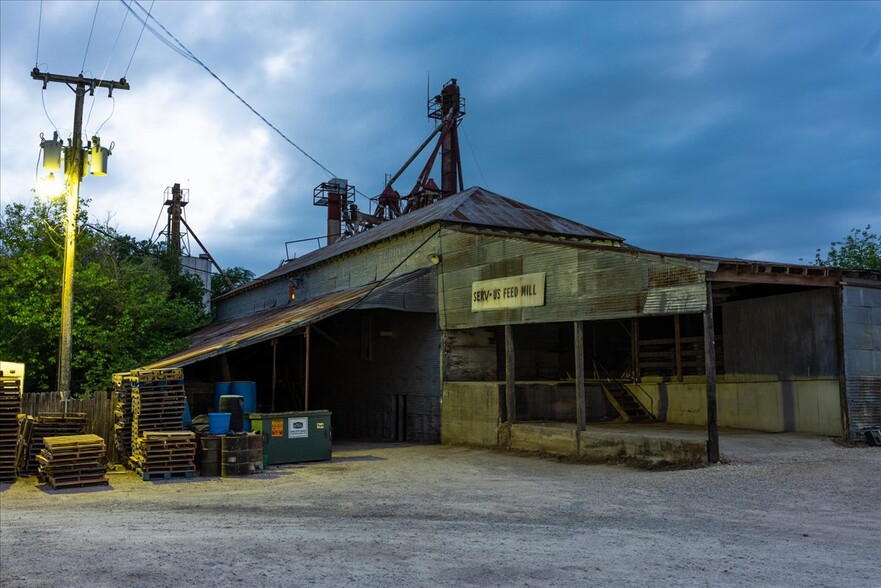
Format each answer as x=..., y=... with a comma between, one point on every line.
x=224, y=336
x=475, y=206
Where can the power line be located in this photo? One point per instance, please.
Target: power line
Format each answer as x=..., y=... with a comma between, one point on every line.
x=139, y=36
x=474, y=155
x=106, y=65
x=45, y=110
x=39, y=30
x=189, y=54
x=88, y=44
x=180, y=51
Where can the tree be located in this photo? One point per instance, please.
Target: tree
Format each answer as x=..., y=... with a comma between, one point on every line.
x=861, y=249
x=237, y=275
x=132, y=303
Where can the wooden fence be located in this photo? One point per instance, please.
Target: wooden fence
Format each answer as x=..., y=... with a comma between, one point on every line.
x=98, y=406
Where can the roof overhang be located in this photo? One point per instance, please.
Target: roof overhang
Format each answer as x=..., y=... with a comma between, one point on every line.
x=757, y=272
x=225, y=336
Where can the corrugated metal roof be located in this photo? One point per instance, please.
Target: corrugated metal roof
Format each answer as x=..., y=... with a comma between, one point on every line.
x=224, y=336
x=475, y=206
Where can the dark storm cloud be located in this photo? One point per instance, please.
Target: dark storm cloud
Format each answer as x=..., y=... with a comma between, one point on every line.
x=735, y=129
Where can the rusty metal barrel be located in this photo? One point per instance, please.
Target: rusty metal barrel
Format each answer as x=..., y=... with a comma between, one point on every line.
x=234, y=456
x=255, y=453
x=209, y=455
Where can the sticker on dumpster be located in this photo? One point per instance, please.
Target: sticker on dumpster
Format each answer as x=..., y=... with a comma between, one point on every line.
x=277, y=428
x=319, y=425
x=298, y=428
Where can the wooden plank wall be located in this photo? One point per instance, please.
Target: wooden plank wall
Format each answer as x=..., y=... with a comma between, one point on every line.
x=98, y=406
x=789, y=335
x=581, y=284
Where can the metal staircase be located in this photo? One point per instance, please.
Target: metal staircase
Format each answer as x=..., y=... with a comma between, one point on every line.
x=627, y=406
x=622, y=399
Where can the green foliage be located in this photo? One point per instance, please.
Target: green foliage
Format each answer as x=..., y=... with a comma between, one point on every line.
x=237, y=275
x=132, y=304
x=861, y=249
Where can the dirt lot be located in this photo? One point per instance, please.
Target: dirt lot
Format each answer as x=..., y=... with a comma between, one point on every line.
x=389, y=515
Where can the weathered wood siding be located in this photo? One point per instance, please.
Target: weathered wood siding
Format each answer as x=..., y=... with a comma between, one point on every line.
x=398, y=256
x=581, y=284
x=471, y=356
x=791, y=335
x=98, y=406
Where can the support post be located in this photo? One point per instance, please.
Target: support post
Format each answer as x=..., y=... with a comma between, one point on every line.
x=306, y=376
x=274, y=343
x=634, y=347
x=710, y=361
x=224, y=368
x=838, y=303
x=580, y=403
x=677, y=346
x=509, y=374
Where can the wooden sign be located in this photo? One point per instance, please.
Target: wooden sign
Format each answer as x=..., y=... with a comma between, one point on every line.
x=511, y=292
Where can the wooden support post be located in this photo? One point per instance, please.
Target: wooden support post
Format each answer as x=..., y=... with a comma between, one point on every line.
x=838, y=302
x=677, y=342
x=224, y=368
x=306, y=370
x=509, y=373
x=634, y=347
x=710, y=361
x=580, y=404
x=274, y=343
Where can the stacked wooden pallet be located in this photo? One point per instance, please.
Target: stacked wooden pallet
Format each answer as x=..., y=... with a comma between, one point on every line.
x=164, y=454
x=158, y=400
x=33, y=429
x=10, y=406
x=122, y=413
x=73, y=461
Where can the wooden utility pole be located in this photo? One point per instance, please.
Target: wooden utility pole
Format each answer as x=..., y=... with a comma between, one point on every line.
x=74, y=166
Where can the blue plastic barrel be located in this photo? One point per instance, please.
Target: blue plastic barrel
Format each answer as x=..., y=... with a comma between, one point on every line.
x=248, y=391
x=188, y=420
x=220, y=388
x=218, y=423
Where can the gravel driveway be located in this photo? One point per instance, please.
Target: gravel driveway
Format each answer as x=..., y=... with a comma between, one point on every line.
x=431, y=515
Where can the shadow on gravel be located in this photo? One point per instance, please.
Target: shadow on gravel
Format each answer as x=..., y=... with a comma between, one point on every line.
x=359, y=458
x=47, y=489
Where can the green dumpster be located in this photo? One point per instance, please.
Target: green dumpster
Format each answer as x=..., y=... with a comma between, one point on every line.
x=292, y=437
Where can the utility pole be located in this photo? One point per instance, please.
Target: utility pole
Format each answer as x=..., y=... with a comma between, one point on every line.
x=74, y=167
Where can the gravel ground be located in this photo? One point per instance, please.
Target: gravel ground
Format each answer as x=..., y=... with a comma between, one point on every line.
x=431, y=515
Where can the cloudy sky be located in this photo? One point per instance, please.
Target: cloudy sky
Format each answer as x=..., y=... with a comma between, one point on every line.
x=734, y=129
